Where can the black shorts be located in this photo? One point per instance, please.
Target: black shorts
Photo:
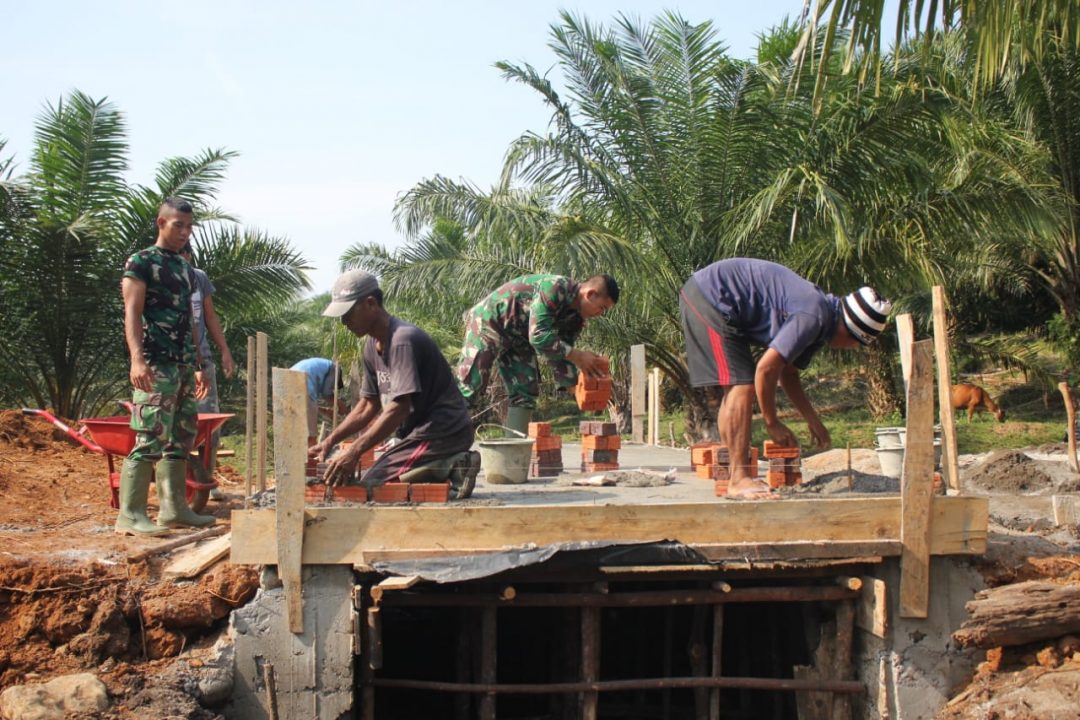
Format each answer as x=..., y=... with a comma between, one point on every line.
x=717, y=353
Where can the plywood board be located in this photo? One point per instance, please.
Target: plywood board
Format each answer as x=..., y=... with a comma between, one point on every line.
x=354, y=535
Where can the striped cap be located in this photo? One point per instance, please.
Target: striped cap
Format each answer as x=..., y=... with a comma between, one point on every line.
x=865, y=314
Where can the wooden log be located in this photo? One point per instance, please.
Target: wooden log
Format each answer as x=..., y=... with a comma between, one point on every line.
x=1020, y=613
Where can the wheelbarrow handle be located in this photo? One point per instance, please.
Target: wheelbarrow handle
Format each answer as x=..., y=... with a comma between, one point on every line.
x=93, y=447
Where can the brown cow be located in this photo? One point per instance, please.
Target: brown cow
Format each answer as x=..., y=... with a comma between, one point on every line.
x=973, y=397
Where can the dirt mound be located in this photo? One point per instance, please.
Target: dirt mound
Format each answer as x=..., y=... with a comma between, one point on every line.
x=30, y=432
x=1012, y=472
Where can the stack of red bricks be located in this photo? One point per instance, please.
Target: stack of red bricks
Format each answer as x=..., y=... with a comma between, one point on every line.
x=546, y=458
x=785, y=464
x=594, y=393
x=600, y=443
x=711, y=461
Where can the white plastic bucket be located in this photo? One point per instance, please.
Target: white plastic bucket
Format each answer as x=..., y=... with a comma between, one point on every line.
x=891, y=460
x=890, y=437
x=505, y=460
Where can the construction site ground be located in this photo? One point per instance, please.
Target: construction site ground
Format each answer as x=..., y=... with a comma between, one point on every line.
x=71, y=602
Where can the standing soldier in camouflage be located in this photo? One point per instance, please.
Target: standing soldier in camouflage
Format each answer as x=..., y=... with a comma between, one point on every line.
x=531, y=315
x=157, y=288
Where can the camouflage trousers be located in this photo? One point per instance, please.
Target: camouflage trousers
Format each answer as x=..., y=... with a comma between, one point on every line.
x=165, y=419
x=517, y=367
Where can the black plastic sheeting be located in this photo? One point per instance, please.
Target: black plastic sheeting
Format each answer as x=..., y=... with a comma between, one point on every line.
x=561, y=555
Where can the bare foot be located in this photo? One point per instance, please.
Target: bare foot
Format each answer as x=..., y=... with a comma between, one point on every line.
x=750, y=489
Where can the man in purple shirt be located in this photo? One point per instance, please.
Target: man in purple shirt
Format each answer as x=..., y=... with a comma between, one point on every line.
x=733, y=304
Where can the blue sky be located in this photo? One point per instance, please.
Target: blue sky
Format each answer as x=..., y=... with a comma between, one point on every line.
x=335, y=107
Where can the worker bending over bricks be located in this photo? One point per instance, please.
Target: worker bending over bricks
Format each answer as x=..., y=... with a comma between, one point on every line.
x=525, y=317
x=733, y=304
x=407, y=388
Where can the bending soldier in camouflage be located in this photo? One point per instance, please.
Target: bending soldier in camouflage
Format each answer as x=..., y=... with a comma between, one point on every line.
x=531, y=315
x=157, y=288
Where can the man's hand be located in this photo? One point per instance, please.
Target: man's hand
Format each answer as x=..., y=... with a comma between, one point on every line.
x=317, y=452
x=142, y=377
x=588, y=362
x=819, y=435
x=781, y=434
x=227, y=364
x=202, y=388
x=342, y=466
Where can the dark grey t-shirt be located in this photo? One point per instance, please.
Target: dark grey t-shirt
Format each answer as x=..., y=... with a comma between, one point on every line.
x=773, y=306
x=412, y=364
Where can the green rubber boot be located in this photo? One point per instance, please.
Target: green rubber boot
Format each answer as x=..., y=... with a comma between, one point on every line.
x=134, y=487
x=517, y=418
x=171, y=488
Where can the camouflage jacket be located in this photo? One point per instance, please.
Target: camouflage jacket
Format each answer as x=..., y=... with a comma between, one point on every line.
x=535, y=311
x=167, y=311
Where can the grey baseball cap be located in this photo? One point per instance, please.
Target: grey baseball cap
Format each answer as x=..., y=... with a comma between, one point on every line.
x=348, y=288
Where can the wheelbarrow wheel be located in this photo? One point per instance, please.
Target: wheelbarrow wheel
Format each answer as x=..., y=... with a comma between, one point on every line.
x=197, y=497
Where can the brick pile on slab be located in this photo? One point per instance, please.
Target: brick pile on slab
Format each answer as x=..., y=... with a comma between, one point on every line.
x=546, y=458
x=593, y=394
x=600, y=443
x=785, y=464
x=711, y=461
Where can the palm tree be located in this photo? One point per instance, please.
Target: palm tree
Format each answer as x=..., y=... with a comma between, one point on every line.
x=66, y=228
x=1000, y=32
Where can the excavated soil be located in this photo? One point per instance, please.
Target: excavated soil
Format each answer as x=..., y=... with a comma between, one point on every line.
x=70, y=601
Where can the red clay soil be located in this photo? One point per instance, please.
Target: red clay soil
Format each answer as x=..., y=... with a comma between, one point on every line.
x=69, y=599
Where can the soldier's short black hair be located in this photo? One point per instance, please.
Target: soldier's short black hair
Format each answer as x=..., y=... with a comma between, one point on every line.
x=176, y=203
x=608, y=286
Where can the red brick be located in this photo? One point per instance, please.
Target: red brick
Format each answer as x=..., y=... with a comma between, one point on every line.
x=776, y=479
x=599, y=467
x=390, y=492
x=430, y=492
x=720, y=488
x=599, y=455
x=539, y=429
x=549, y=442
x=772, y=450
x=601, y=442
x=703, y=471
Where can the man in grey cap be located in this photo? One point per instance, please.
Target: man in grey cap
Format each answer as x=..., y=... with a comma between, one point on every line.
x=408, y=388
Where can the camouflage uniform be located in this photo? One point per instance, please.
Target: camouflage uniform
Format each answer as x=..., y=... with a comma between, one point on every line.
x=528, y=315
x=165, y=419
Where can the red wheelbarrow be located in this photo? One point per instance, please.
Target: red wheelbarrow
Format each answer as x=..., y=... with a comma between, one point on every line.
x=111, y=436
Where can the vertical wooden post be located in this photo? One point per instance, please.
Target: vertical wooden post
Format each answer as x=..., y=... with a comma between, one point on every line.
x=717, y=655
x=905, y=336
x=249, y=422
x=845, y=636
x=1070, y=414
x=590, y=659
x=637, y=392
x=488, y=660
x=654, y=406
x=917, y=483
x=261, y=405
x=944, y=377
x=290, y=457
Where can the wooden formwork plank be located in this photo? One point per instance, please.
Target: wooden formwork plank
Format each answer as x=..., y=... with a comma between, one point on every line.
x=261, y=404
x=872, y=610
x=637, y=392
x=360, y=535
x=905, y=336
x=290, y=457
x=249, y=420
x=916, y=485
x=944, y=378
x=194, y=560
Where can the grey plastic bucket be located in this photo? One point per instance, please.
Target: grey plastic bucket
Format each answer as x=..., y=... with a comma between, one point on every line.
x=890, y=437
x=505, y=460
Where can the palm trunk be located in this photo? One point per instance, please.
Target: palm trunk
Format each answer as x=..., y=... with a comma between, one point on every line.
x=882, y=397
